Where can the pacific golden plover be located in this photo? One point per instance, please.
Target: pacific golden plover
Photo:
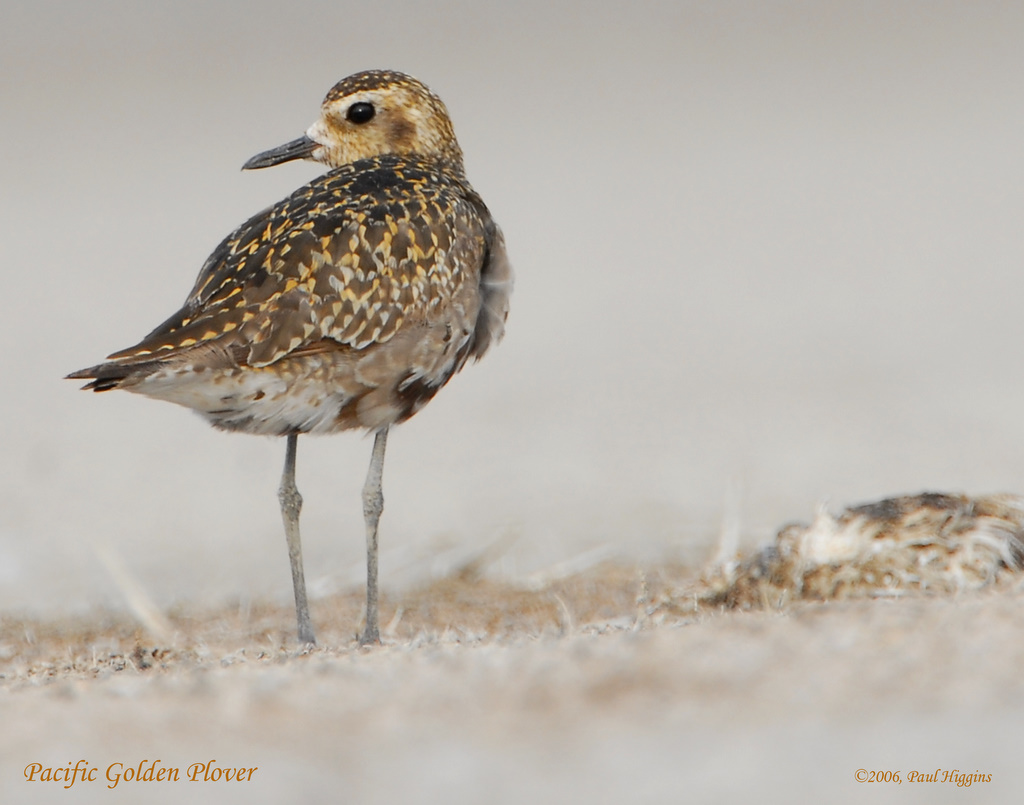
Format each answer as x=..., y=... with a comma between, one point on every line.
x=348, y=304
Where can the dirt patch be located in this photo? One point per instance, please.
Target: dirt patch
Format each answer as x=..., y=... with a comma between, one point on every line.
x=616, y=683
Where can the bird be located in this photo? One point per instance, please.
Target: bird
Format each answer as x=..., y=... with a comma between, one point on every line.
x=346, y=305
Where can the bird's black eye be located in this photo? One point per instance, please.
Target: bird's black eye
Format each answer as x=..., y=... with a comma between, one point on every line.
x=361, y=112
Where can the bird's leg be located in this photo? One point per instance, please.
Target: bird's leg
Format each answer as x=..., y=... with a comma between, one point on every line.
x=291, y=505
x=373, y=505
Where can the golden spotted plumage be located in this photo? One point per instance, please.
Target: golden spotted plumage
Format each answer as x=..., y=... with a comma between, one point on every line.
x=346, y=305
x=309, y=289
x=357, y=251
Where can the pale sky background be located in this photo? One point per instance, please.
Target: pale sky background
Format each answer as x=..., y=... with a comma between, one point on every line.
x=767, y=255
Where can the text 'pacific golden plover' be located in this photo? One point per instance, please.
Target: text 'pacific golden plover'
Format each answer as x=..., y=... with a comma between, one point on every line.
x=346, y=305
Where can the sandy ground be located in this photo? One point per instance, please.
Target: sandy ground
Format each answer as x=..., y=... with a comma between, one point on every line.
x=596, y=688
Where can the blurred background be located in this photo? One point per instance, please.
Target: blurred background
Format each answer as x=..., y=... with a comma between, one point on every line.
x=767, y=255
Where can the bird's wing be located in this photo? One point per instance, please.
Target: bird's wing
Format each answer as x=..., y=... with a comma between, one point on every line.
x=345, y=260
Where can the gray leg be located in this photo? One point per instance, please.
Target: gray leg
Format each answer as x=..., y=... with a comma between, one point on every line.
x=291, y=505
x=373, y=505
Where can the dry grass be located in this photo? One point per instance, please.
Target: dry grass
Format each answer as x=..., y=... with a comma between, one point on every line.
x=578, y=688
x=926, y=544
x=920, y=544
x=465, y=607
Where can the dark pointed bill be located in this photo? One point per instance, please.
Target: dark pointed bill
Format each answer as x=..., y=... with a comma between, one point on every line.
x=301, y=148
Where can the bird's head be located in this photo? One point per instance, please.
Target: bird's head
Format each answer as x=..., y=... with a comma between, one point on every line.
x=372, y=114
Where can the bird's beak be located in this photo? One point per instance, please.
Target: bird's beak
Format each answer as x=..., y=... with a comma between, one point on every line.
x=301, y=148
